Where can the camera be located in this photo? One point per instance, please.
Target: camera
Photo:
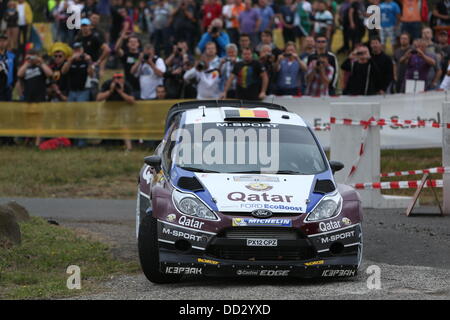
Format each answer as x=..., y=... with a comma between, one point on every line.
x=214, y=30
x=319, y=63
x=413, y=51
x=287, y=55
x=201, y=66
x=82, y=56
x=146, y=56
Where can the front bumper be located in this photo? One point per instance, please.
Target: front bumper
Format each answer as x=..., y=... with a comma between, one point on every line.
x=216, y=254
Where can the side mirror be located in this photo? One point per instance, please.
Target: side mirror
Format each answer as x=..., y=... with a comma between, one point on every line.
x=336, y=166
x=153, y=161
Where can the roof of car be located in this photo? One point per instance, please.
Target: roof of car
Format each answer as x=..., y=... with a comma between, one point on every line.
x=204, y=111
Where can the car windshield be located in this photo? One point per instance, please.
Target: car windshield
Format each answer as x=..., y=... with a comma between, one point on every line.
x=235, y=147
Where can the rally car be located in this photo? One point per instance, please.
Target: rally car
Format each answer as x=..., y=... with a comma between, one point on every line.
x=243, y=188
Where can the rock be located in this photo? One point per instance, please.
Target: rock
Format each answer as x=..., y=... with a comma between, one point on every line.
x=9, y=228
x=20, y=212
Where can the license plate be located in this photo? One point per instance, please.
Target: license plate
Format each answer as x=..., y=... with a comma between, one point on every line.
x=262, y=242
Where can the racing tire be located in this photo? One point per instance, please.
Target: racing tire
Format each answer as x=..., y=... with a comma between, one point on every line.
x=149, y=253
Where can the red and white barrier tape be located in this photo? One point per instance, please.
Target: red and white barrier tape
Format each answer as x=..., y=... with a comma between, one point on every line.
x=397, y=184
x=392, y=122
x=413, y=172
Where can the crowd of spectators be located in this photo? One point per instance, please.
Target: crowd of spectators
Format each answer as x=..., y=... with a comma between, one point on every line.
x=209, y=49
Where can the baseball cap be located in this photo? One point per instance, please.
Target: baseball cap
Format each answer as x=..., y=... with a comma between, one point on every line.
x=85, y=21
x=118, y=75
x=77, y=45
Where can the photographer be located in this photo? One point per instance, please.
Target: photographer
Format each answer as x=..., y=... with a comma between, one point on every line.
x=8, y=63
x=149, y=69
x=289, y=68
x=319, y=76
x=418, y=63
x=173, y=78
x=364, y=74
x=207, y=79
x=33, y=74
x=217, y=35
x=129, y=55
x=267, y=59
x=226, y=68
x=78, y=68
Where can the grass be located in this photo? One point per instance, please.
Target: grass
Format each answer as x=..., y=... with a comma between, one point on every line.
x=37, y=267
x=93, y=172
x=109, y=173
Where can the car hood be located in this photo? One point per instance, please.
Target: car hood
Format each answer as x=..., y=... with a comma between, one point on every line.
x=248, y=192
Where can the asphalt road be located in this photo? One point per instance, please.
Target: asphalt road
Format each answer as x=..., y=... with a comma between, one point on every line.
x=412, y=252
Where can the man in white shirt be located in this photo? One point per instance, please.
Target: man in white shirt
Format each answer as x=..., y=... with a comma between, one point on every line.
x=150, y=70
x=323, y=20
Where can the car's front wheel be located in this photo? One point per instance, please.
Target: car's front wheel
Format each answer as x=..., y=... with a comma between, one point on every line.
x=149, y=253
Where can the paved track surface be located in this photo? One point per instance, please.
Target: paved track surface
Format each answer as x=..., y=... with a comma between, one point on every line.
x=413, y=254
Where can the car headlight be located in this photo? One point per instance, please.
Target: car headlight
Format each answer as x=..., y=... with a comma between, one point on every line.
x=328, y=207
x=192, y=206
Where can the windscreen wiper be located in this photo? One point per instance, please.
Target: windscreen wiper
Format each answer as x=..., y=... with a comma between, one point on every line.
x=198, y=170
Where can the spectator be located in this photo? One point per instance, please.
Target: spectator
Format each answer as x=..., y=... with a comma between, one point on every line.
x=129, y=55
x=226, y=68
x=321, y=46
x=227, y=18
x=144, y=18
x=384, y=62
x=443, y=48
x=33, y=75
x=287, y=17
x=183, y=22
x=95, y=22
x=323, y=20
x=64, y=34
x=319, y=76
x=364, y=75
x=303, y=18
x=215, y=34
x=400, y=68
x=244, y=41
x=78, y=67
x=211, y=10
x=149, y=69
x=249, y=22
x=161, y=92
x=442, y=13
x=94, y=46
x=12, y=24
x=176, y=63
x=252, y=79
x=354, y=23
x=266, y=15
x=309, y=45
x=206, y=78
x=267, y=39
x=116, y=21
x=267, y=58
x=8, y=65
x=344, y=22
x=116, y=89
x=25, y=15
x=390, y=19
x=411, y=19
x=59, y=84
x=289, y=68
x=435, y=73
x=418, y=63
x=90, y=8
x=161, y=17
x=236, y=10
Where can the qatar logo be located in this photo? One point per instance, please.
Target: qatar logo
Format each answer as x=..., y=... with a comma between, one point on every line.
x=262, y=213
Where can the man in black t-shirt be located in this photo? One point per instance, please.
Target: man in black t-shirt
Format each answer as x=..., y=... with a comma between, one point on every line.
x=94, y=46
x=129, y=55
x=116, y=89
x=383, y=62
x=252, y=78
x=78, y=67
x=33, y=74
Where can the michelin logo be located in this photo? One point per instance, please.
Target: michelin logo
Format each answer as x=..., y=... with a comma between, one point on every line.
x=244, y=222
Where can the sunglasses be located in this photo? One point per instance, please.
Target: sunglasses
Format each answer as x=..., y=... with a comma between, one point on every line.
x=321, y=41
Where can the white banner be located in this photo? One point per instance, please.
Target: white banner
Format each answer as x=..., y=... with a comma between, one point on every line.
x=422, y=106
